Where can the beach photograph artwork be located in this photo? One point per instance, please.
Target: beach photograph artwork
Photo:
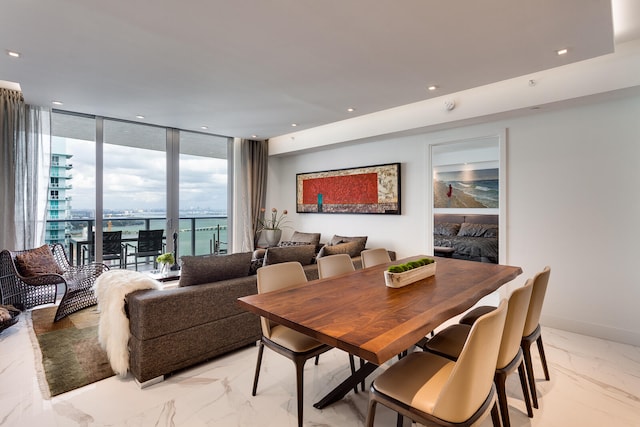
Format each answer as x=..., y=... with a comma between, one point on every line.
x=465, y=189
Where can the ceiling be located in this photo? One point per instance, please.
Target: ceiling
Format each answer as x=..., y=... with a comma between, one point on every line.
x=251, y=68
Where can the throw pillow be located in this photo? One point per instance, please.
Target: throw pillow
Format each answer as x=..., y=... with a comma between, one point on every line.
x=475, y=230
x=303, y=254
x=353, y=249
x=37, y=261
x=362, y=241
x=446, y=229
x=310, y=238
x=197, y=270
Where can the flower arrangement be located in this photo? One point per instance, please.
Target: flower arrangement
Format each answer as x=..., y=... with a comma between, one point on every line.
x=167, y=258
x=275, y=222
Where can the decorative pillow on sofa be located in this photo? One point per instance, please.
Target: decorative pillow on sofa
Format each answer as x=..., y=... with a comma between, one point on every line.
x=37, y=261
x=477, y=230
x=197, y=270
x=303, y=254
x=362, y=240
x=310, y=238
x=353, y=249
x=446, y=229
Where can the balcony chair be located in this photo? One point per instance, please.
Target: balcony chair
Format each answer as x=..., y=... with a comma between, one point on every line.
x=291, y=344
x=150, y=244
x=434, y=390
x=31, y=277
x=112, y=248
x=333, y=265
x=532, y=332
x=450, y=341
x=371, y=257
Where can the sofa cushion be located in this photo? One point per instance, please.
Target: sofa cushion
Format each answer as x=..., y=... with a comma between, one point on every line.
x=213, y=268
x=311, y=238
x=362, y=241
x=303, y=254
x=353, y=249
x=446, y=229
x=476, y=230
x=37, y=261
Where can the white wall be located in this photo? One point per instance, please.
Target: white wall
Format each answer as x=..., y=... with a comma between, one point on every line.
x=572, y=203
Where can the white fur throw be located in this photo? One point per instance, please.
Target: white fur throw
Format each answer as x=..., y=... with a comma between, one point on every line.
x=113, y=329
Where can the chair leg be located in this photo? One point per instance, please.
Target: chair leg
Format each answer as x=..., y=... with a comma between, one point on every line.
x=399, y=420
x=526, y=350
x=495, y=415
x=371, y=413
x=362, y=383
x=258, y=364
x=500, y=380
x=525, y=390
x=299, y=387
x=317, y=359
x=543, y=358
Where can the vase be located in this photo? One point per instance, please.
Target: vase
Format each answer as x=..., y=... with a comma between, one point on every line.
x=272, y=237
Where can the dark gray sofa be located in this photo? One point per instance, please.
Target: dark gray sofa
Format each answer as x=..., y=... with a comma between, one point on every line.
x=172, y=329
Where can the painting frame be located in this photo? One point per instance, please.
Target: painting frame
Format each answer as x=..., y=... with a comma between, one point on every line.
x=374, y=189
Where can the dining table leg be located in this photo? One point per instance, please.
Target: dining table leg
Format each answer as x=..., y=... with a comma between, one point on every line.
x=344, y=387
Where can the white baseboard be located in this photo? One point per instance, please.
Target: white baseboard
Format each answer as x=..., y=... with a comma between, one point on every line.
x=593, y=330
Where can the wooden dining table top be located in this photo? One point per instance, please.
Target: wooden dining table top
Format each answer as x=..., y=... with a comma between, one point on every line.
x=357, y=313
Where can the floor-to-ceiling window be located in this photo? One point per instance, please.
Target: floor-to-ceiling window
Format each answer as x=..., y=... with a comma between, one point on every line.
x=150, y=177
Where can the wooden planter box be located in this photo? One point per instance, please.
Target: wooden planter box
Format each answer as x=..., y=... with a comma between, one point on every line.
x=398, y=280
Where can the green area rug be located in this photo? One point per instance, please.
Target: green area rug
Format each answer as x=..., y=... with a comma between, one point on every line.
x=71, y=354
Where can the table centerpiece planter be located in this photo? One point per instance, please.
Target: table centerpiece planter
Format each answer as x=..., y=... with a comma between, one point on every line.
x=401, y=275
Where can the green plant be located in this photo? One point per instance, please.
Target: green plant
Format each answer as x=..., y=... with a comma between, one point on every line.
x=275, y=222
x=166, y=258
x=410, y=265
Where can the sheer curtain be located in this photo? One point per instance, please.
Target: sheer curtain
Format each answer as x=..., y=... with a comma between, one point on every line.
x=251, y=191
x=25, y=150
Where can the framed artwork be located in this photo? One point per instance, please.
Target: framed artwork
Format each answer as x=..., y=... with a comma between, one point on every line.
x=363, y=190
x=466, y=189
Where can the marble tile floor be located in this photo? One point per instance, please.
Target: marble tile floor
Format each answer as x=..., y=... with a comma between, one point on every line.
x=593, y=383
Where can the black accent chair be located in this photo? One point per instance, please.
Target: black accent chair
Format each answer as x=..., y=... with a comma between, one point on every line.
x=150, y=244
x=112, y=248
x=30, y=290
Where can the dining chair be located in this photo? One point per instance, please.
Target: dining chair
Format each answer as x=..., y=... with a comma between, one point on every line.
x=150, y=244
x=432, y=389
x=112, y=247
x=450, y=341
x=333, y=265
x=291, y=344
x=532, y=331
x=371, y=257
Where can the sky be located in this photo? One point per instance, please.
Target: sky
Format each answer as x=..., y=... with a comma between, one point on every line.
x=135, y=179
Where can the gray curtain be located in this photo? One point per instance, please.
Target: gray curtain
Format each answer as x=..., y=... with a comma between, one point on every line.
x=254, y=161
x=25, y=149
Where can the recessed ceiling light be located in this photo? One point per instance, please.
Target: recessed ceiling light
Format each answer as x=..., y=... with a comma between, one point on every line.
x=294, y=124
x=56, y=102
x=139, y=116
x=13, y=54
x=351, y=109
x=254, y=136
x=204, y=127
x=562, y=51
x=432, y=87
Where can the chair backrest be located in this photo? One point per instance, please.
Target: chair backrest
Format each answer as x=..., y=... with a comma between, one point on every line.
x=371, y=257
x=333, y=265
x=111, y=242
x=278, y=276
x=540, y=282
x=514, y=324
x=471, y=379
x=150, y=240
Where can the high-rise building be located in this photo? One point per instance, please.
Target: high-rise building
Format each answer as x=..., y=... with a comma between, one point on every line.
x=58, y=202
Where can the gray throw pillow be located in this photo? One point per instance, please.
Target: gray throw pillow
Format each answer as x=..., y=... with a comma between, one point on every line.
x=353, y=249
x=197, y=270
x=362, y=241
x=446, y=229
x=475, y=230
x=311, y=238
x=303, y=254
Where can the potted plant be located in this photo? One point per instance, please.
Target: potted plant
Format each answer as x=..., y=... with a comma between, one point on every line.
x=400, y=275
x=271, y=227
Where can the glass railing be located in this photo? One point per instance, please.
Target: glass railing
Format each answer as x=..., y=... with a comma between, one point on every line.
x=196, y=235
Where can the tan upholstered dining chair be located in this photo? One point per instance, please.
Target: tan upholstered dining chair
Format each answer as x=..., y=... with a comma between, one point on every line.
x=450, y=341
x=291, y=344
x=334, y=265
x=432, y=389
x=371, y=257
x=531, y=333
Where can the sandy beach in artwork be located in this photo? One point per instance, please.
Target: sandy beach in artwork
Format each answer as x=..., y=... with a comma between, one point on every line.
x=458, y=199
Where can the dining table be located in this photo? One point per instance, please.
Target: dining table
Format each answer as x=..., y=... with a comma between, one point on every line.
x=356, y=312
